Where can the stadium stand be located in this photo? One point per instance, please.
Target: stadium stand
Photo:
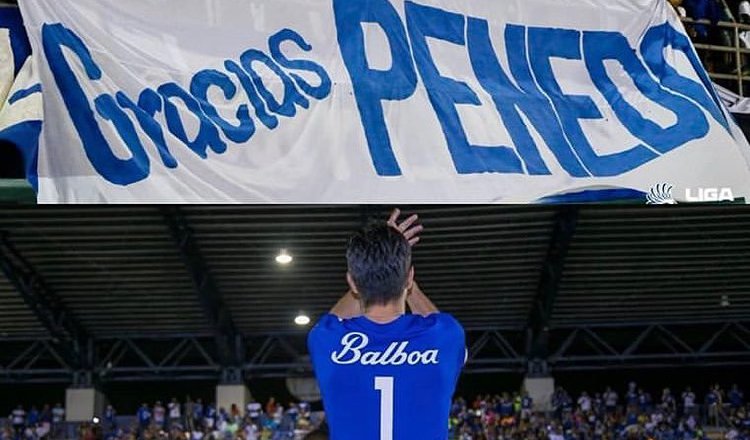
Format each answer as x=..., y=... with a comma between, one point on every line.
x=634, y=413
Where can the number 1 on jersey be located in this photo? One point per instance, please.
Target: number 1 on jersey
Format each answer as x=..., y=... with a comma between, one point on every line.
x=385, y=386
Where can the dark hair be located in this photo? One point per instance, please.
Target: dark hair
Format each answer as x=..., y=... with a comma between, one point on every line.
x=379, y=259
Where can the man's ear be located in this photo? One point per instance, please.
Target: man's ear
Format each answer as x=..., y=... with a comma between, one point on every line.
x=352, y=286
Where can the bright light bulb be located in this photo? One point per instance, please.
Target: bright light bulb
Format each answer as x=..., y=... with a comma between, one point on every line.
x=302, y=320
x=284, y=257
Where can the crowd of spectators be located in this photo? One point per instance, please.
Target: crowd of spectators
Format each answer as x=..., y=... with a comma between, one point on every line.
x=34, y=424
x=606, y=415
x=737, y=11
x=191, y=420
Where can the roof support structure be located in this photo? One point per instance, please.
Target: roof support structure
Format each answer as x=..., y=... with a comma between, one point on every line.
x=188, y=357
x=69, y=339
x=537, y=329
x=211, y=300
x=654, y=345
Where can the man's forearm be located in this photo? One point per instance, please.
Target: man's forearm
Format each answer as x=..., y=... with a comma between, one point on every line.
x=419, y=303
x=347, y=307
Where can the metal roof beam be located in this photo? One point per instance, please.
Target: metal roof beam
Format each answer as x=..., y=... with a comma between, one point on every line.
x=537, y=329
x=276, y=355
x=68, y=337
x=211, y=300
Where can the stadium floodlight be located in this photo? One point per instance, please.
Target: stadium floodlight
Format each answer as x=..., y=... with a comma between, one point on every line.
x=284, y=257
x=302, y=319
x=725, y=301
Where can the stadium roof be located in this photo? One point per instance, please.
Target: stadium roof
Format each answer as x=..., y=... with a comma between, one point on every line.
x=119, y=270
x=673, y=282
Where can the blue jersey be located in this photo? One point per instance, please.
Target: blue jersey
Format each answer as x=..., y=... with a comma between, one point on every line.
x=389, y=381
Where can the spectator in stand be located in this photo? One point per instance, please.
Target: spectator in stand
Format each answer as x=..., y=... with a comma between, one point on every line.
x=598, y=405
x=644, y=400
x=713, y=11
x=32, y=418
x=209, y=417
x=160, y=415
x=271, y=406
x=610, y=400
x=631, y=396
x=45, y=421
x=744, y=419
x=175, y=414
x=252, y=431
x=144, y=417
x=278, y=415
x=189, y=413
x=527, y=405
x=668, y=403
x=736, y=399
x=293, y=412
x=223, y=418
x=713, y=403
x=703, y=10
x=234, y=412
x=110, y=419
x=197, y=414
x=688, y=402
x=677, y=4
x=584, y=403
x=254, y=411
x=304, y=409
x=197, y=433
x=18, y=420
x=58, y=418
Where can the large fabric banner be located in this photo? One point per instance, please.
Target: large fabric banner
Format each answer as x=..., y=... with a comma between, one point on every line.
x=387, y=101
x=20, y=91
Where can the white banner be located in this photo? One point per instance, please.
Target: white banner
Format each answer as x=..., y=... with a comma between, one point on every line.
x=377, y=101
x=20, y=91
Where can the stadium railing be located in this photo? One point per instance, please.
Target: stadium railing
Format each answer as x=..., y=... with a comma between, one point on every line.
x=737, y=50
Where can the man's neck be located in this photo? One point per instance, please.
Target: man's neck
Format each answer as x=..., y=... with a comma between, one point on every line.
x=385, y=313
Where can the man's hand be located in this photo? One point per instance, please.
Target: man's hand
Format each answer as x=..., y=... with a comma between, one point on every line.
x=408, y=228
x=416, y=299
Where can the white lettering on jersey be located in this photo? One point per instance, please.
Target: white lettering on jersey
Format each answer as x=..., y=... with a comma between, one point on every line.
x=353, y=350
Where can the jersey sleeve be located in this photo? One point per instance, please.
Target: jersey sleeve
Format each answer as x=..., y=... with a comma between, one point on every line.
x=321, y=331
x=452, y=332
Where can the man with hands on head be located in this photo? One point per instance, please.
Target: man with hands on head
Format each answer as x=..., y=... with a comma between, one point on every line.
x=385, y=374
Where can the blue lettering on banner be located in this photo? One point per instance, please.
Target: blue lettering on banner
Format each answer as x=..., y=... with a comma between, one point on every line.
x=562, y=43
x=659, y=38
x=116, y=170
x=177, y=104
x=528, y=95
x=202, y=82
x=446, y=93
x=372, y=86
x=691, y=122
x=553, y=114
x=318, y=92
x=526, y=98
